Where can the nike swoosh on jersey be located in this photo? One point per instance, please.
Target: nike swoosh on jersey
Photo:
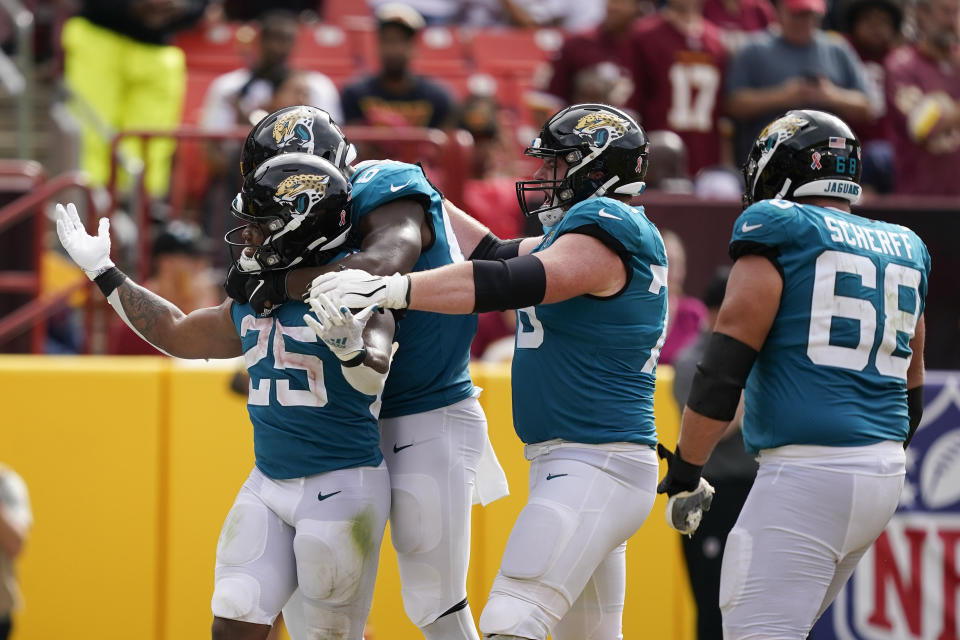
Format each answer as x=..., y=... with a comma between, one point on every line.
x=603, y=214
x=747, y=228
x=397, y=449
x=551, y=476
x=322, y=497
x=394, y=189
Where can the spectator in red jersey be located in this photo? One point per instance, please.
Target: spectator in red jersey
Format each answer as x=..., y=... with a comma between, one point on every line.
x=873, y=29
x=923, y=102
x=679, y=61
x=687, y=313
x=802, y=66
x=737, y=19
x=611, y=41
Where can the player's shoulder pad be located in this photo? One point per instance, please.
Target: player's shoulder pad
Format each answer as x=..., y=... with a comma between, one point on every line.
x=768, y=222
x=388, y=180
x=626, y=224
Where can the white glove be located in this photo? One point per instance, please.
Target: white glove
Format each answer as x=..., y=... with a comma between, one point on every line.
x=356, y=289
x=339, y=329
x=91, y=253
x=685, y=509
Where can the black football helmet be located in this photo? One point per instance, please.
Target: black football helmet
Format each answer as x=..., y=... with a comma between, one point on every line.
x=590, y=138
x=301, y=203
x=296, y=129
x=803, y=153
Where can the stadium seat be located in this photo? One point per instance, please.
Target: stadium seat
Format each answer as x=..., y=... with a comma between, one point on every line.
x=513, y=50
x=439, y=51
x=347, y=13
x=220, y=48
x=325, y=48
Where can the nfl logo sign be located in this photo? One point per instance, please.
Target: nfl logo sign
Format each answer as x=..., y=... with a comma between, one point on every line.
x=907, y=585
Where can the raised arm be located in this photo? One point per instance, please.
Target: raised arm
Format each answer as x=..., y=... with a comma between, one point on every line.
x=204, y=333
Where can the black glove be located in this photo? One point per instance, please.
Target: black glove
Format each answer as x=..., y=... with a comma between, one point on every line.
x=236, y=284
x=264, y=291
x=681, y=475
x=690, y=495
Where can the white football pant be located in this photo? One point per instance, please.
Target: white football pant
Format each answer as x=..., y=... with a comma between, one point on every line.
x=564, y=567
x=322, y=532
x=812, y=513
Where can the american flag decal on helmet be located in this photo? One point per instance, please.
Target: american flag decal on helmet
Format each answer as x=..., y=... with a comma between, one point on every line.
x=837, y=143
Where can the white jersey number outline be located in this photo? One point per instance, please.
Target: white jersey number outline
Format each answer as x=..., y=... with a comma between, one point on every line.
x=316, y=393
x=694, y=95
x=826, y=305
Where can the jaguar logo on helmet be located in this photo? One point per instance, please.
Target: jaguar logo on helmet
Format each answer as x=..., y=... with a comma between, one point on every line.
x=603, y=127
x=295, y=126
x=780, y=130
x=302, y=192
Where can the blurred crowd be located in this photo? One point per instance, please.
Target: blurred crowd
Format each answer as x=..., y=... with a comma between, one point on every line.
x=702, y=77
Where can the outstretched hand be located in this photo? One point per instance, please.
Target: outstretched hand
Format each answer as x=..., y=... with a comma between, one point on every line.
x=338, y=328
x=90, y=253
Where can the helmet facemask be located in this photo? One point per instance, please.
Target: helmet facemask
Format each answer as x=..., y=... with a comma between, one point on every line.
x=300, y=203
x=604, y=152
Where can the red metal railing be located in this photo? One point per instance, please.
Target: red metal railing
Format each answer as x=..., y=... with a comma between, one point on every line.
x=450, y=149
x=32, y=315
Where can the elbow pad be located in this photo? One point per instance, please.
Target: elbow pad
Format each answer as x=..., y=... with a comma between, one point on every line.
x=493, y=248
x=720, y=376
x=914, y=411
x=508, y=284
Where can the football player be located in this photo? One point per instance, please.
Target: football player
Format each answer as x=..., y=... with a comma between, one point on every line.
x=433, y=430
x=591, y=306
x=823, y=324
x=313, y=510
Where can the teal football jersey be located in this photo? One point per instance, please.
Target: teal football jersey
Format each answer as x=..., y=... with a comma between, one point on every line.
x=430, y=369
x=584, y=369
x=306, y=417
x=833, y=368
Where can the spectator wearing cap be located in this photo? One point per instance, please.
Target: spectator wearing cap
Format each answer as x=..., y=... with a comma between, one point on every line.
x=923, y=102
x=395, y=96
x=873, y=30
x=181, y=274
x=800, y=67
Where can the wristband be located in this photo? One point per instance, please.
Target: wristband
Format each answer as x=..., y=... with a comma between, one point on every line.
x=110, y=280
x=356, y=360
